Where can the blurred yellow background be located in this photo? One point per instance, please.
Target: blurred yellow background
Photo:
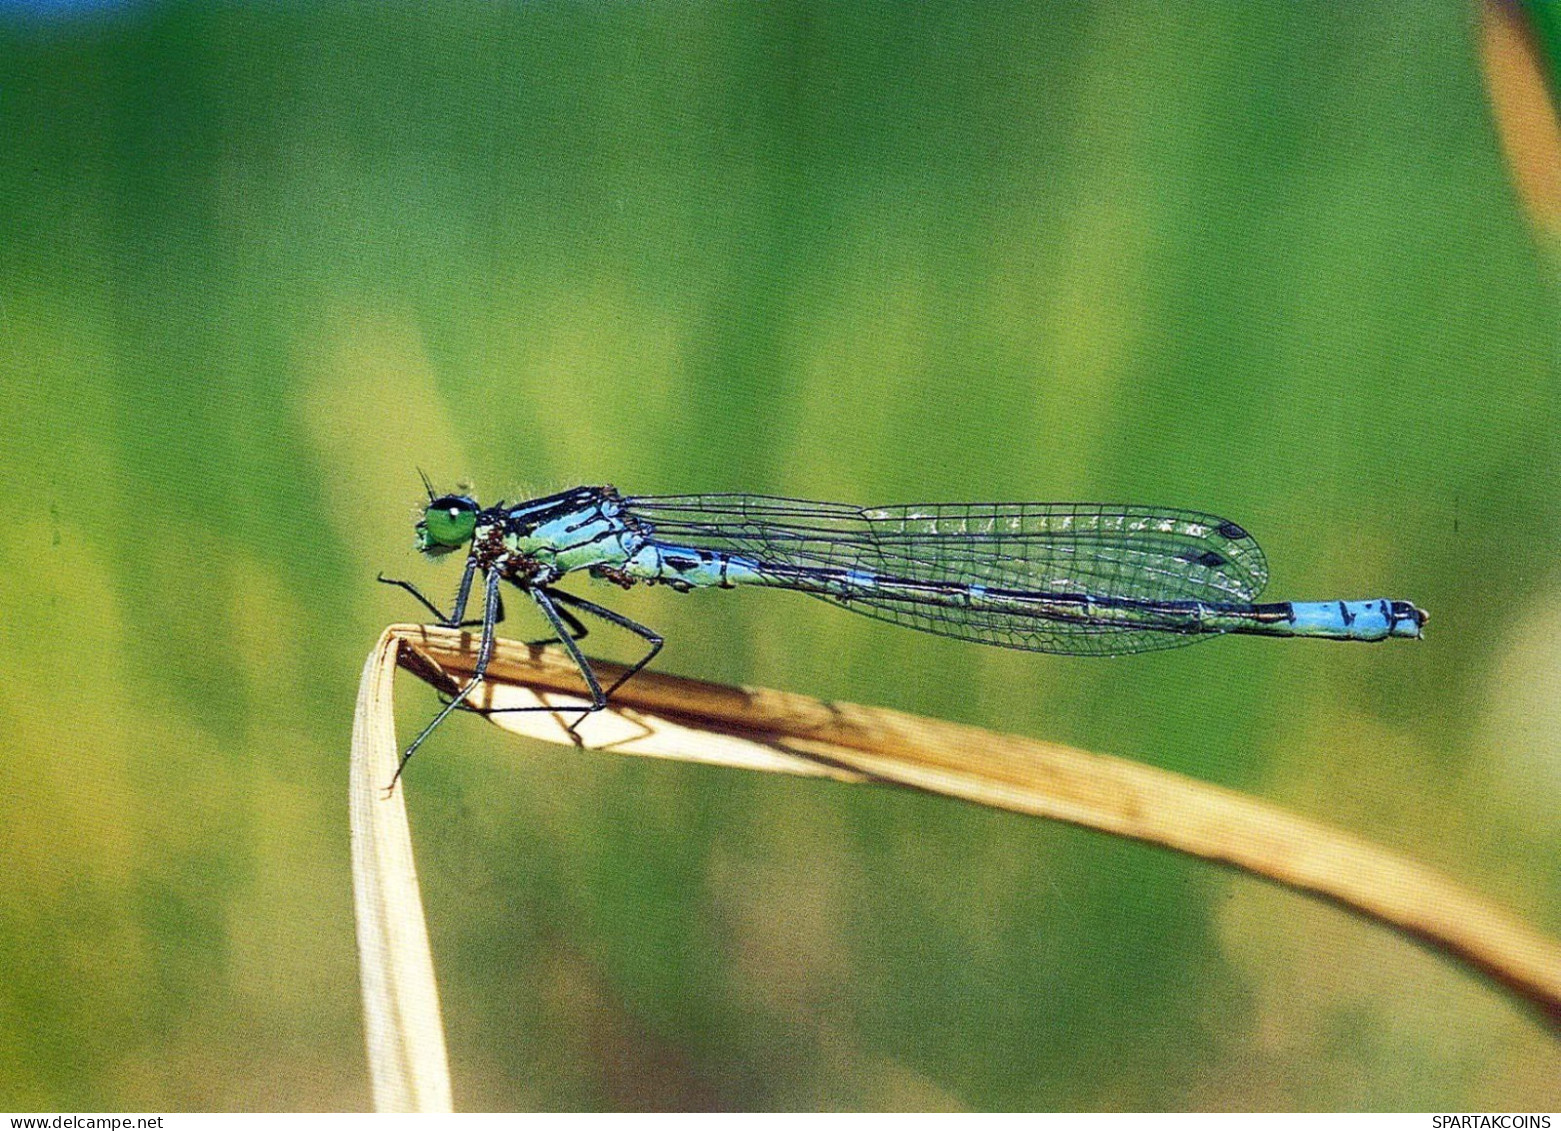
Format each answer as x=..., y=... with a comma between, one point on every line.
x=261, y=262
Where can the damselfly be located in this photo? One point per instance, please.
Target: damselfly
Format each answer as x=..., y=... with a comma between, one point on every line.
x=1076, y=578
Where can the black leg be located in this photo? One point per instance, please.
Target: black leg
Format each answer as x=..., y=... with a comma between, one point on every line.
x=416, y=592
x=577, y=628
x=545, y=599
x=651, y=637
x=562, y=598
x=462, y=595
x=458, y=614
x=490, y=609
x=568, y=628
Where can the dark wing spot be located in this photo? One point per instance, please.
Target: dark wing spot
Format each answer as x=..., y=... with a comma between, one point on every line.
x=1232, y=531
x=1207, y=558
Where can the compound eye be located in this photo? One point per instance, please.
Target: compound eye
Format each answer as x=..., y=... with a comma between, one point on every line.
x=448, y=522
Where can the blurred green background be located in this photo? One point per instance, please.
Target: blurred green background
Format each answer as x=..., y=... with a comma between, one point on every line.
x=261, y=262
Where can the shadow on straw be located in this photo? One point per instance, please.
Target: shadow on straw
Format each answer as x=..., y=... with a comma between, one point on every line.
x=663, y=716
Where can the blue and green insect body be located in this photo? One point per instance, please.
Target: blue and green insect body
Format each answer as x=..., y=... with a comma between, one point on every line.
x=592, y=536
x=1073, y=578
x=1365, y=620
x=1369, y=620
x=687, y=567
x=1050, y=577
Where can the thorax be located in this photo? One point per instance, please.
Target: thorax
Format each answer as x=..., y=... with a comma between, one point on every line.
x=536, y=547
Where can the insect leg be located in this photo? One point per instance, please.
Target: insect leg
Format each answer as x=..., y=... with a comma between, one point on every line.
x=556, y=617
x=484, y=654
x=577, y=628
x=462, y=594
x=544, y=600
x=654, y=639
x=561, y=598
x=651, y=637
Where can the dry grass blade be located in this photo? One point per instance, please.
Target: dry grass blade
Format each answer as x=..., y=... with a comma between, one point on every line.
x=407, y=1062
x=666, y=716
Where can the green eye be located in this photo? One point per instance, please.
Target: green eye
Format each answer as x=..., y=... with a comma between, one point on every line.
x=447, y=524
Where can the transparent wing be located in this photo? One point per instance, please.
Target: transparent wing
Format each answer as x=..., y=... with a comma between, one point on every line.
x=1013, y=628
x=1097, y=550
x=1142, y=553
